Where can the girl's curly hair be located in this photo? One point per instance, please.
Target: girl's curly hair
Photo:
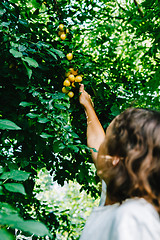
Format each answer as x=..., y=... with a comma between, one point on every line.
x=136, y=140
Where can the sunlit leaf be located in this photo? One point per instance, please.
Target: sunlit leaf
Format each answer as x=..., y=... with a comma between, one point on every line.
x=32, y=115
x=26, y=104
x=31, y=62
x=34, y=227
x=45, y=135
x=15, y=187
x=43, y=120
x=1, y=169
x=8, y=125
x=16, y=175
x=15, y=53
x=2, y=11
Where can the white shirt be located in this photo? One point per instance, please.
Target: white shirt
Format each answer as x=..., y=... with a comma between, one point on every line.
x=134, y=219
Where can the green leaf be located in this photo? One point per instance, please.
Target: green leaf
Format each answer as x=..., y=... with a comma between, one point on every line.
x=52, y=54
x=75, y=135
x=1, y=169
x=23, y=22
x=45, y=135
x=8, y=125
x=2, y=11
x=29, y=71
x=56, y=146
x=94, y=150
x=58, y=95
x=31, y=62
x=30, y=226
x=6, y=208
x=1, y=190
x=16, y=175
x=5, y=24
x=21, y=48
x=9, y=216
x=58, y=52
x=32, y=115
x=15, y=187
x=61, y=146
x=34, y=227
x=115, y=110
x=74, y=148
x=43, y=120
x=60, y=106
x=25, y=104
x=15, y=53
x=35, y=4
x=14, y=1
x=5, y=235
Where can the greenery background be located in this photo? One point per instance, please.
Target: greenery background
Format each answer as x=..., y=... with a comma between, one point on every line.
x=116, y=47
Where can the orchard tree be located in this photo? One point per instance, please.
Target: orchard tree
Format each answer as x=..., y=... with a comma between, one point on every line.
x=47, y=48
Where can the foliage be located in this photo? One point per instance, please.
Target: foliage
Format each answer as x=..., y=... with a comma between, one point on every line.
x=70, y=205
x=115, y=45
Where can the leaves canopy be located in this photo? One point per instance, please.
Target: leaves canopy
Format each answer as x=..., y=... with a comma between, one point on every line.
x=115, y=45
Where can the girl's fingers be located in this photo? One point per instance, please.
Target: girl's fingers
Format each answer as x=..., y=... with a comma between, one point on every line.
x=81, y=89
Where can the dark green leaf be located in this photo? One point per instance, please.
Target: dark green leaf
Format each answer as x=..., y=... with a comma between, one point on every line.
x=8, y=125
x=45, y=135
x=1, y=169
x=34, y=227
x=56, y=146
x=2, y=11
x=21, y=48
x=14, y=1
x=5, y=235
x=60, y=106
x=1, y=190
x=31, y=62
x=26, y=104
x=75, y=135
x=29, y=71
x=7, y=208
x=32, y=115
x=58, y=52
x=15, y=187
x=43, y=120
x=16, y=175
x=52, y=54
x=9, y=216
x=35, y=4
x=115, y=110
x=74, y=148
x=58, y=96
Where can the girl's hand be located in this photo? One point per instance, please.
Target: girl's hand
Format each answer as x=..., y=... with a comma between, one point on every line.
x=84, y=98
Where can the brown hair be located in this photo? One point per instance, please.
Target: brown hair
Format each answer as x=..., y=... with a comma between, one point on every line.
x=136, y=140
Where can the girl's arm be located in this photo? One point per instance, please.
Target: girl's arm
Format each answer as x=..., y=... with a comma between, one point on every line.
x=95, y=132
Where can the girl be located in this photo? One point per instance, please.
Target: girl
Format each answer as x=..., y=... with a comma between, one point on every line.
x=128, y=161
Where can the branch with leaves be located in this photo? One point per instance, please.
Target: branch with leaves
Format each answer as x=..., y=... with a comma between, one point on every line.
x=139, y=8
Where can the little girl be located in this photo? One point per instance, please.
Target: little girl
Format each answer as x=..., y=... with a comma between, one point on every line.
x=128, y=162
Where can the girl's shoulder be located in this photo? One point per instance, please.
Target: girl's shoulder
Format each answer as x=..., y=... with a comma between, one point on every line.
x=137, y=207
x=133, y=219
x=138, y=214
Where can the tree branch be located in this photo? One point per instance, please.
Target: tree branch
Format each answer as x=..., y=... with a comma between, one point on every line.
x=138, y=8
